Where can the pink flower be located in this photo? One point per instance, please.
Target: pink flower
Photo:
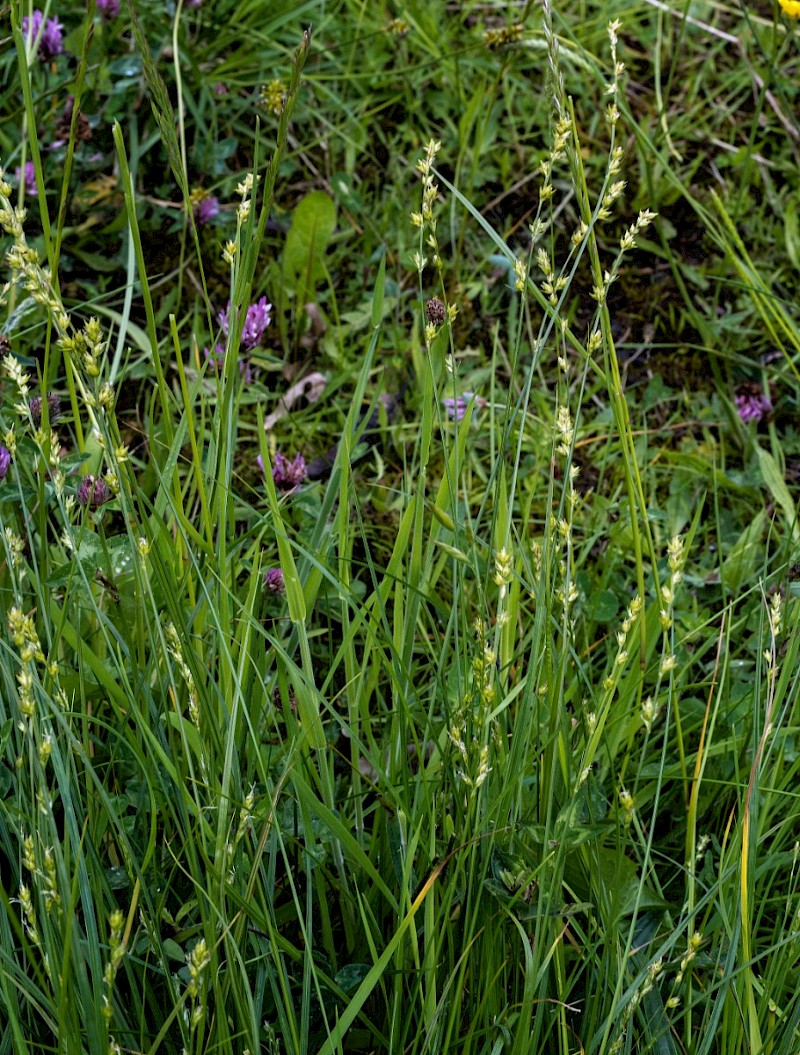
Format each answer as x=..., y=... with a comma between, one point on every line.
x=287, y=474
x=93, y=492
x=273, y=581
x=51, y=40
x=457, y=408
x=751, y=402
x=53, y=408
x=205, y=209
x=30, y=178
x=217, y=357
x=108, y=9
x=255, y=323
x=217, y=360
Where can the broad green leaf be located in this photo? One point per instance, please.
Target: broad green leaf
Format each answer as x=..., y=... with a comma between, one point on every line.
x=603, y=606
x=740, y=562
x=313, y=222
x=773, y=478
x=350, y=977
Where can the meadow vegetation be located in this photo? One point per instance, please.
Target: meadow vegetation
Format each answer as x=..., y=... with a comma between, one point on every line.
x=399, y=577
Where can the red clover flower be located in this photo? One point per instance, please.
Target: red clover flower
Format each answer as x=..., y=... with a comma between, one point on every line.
x=287, y=474
x=93, y=492
x=51, y=40
x=217, y=360
x=273, y=581
x=457, y=408
x=63, y=126
x=30, y=178
x=216, y=357
x=435, y=312
x=751, y=402
x=109, y=9
x=53, y=408
x=205, y=206
x=256, y=321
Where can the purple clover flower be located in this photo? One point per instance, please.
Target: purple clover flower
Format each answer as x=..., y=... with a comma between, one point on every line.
x=752, y=403
x=51, y=42
x=93, y=492
x=52, y=39
x=109, y=9
x=30, y=178
x=256, y=321
x=53, y=408
x=217, y=360
x=287, y=474
x=205, y=209
x=273, y=581
x=5, y=461
x=457, y=408
x=217, y=357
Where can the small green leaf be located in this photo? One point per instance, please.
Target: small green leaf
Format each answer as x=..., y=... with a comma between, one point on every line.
x=173, y=950
x=604, y=606
x=351, y=976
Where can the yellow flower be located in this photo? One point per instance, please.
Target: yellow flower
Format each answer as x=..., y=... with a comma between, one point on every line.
x=791, y=7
